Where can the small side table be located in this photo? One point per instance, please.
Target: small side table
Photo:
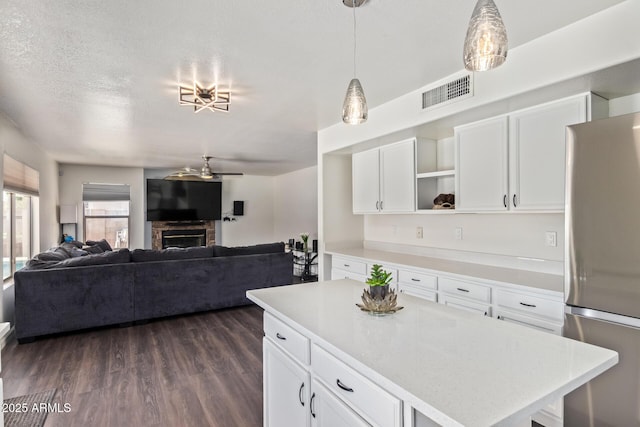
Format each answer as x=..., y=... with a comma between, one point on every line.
x=305, y=265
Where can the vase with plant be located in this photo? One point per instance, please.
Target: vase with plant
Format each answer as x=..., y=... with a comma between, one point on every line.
x=305, y=240
x=379, y=282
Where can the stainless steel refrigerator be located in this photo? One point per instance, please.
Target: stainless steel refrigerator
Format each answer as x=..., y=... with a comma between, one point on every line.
x=602, y=265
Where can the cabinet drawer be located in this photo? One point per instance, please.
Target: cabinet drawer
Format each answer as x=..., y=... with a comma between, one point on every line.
x=481, y=308
x=287, y=338
x=417, y=291
x=425, y=281
x=372, y=402
x=532, y=305
x=350, y=265
x=465, y=289
x=337, y=274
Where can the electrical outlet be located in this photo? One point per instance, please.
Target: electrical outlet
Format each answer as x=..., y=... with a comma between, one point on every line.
x=457, y=233
x=551, y=238
x=419, y=233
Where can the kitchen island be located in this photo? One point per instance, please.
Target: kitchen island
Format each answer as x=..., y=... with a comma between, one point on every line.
x=329, y=364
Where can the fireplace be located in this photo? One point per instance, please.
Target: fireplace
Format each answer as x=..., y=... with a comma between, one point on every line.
x=182, y=234
x=183, y=238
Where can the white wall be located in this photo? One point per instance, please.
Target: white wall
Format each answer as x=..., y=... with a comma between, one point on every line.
x=509, y=234
x=296, y=205
x=46, y=231
x=70, y=184
x=257, y=225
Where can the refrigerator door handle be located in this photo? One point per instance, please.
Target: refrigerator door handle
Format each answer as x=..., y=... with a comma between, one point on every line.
x=603, y=315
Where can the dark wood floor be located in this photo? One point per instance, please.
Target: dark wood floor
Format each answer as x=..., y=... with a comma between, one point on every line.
x=196, y=370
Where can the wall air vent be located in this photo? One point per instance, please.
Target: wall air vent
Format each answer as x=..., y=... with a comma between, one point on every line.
x=453, y=90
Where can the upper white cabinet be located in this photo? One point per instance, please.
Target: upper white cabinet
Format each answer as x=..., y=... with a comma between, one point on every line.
x=384, y=179
x=482, y=165
x=537, y=153
x=517, y=161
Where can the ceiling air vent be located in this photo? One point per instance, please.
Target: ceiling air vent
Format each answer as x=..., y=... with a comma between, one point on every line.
x=454, y=90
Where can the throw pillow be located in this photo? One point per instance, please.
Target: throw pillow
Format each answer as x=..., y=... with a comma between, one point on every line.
x=102, y=243
x=93, y=249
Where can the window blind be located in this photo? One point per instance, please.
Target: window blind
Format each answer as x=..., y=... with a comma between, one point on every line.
x=105, y=192
x=19, y=177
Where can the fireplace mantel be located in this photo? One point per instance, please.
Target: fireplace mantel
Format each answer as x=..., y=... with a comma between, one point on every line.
x=157, y=227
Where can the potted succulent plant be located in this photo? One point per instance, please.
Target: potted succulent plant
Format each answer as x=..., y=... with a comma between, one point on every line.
x=379, y=282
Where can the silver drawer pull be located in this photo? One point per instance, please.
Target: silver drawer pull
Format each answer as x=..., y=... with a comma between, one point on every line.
x=344, y=387
x=415, y=280
x=300, y=394
x=280, y=337
x=528, y=305
x=347, y=265
x=463, y=289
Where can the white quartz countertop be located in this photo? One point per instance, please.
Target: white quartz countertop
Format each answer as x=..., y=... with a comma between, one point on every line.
x=455, y=367
x=542, y=281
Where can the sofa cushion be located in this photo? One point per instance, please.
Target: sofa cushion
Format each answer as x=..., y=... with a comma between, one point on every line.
x=37, y=264
x=265, y=248
x=112, y=257
x=102, y=243
x=53, y=254
x=146, y=255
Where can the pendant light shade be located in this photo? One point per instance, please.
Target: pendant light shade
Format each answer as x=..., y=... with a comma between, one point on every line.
x=354, y=109
x=485, y=46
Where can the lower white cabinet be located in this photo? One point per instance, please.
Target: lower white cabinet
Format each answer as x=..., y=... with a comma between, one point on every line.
x=329, y=411
x=348, y=268
x=286, y=389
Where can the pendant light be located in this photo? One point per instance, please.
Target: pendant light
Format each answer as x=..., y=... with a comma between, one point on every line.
x=354, y=109
x=485, y=46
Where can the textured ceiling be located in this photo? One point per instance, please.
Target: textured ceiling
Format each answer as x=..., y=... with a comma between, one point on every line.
x=95, y=82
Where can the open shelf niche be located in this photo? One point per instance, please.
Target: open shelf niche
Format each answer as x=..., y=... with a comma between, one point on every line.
x=435, y=173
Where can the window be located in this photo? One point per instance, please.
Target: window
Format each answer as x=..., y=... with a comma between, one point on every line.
x=19, y=197
x=106, y=213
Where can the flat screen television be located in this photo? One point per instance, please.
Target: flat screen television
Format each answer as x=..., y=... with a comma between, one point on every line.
x=183, y=200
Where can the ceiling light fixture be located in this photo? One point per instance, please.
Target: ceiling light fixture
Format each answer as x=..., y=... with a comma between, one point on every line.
x=203, y=98
x=354, y=108
x=485, y=46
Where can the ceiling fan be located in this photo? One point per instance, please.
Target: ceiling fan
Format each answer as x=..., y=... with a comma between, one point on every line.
x=204, y=174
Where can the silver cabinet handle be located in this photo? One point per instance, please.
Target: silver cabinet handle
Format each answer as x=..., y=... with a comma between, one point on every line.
x=377, y=205
x=514, y=201
x=280, y=337
x=415, y=280
x=313, y=397
x=344, y=387
x=463, y=289
x=528, y=305
x=346, y=265
x=381, y=202
x=504, y=200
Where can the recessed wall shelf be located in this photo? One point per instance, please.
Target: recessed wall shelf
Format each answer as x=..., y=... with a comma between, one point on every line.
x=435, y=174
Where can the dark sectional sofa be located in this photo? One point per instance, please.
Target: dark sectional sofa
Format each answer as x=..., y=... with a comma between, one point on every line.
x=120, y=287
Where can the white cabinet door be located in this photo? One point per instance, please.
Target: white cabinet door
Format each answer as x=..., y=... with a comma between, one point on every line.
x=537, y=153
x=286, y=389
x=482, y=165
x=329, y=411
x=366, y=181
x=398, y=177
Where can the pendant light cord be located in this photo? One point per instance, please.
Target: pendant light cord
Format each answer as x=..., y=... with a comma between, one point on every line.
x=354, y=39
